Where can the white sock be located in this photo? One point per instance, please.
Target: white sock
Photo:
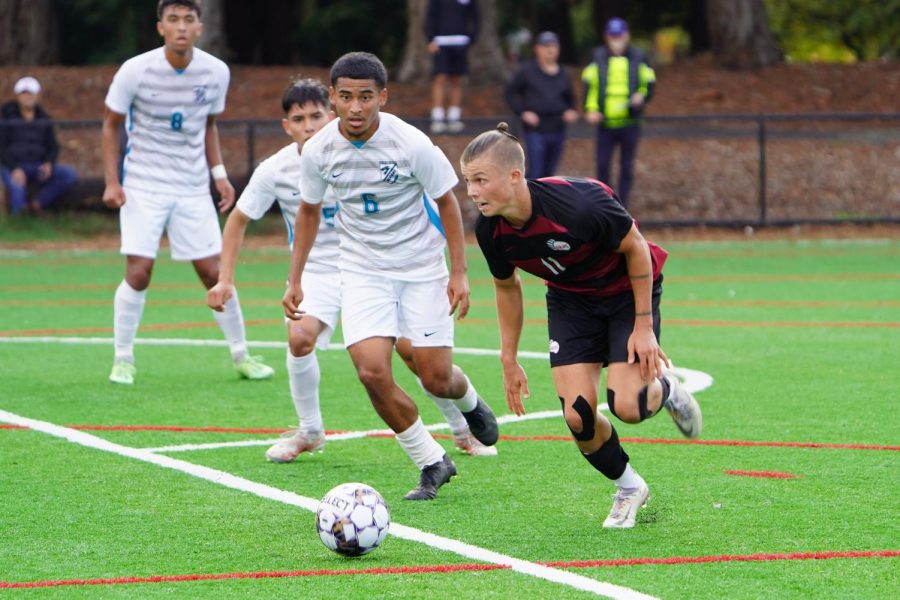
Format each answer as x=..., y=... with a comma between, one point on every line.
x=419, y=446
x=128, y=306
x=469, y=400
x=454, y=113
x=231, y=322
x=303, y=377
x=629, y=479
x=437, y=113
x=448, y=408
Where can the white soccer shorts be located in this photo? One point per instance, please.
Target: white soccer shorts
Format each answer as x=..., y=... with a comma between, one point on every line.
x=375, y=306
x=190, y=223
x=322, y=301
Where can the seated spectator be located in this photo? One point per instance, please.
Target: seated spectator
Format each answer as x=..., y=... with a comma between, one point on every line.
x=28, y=151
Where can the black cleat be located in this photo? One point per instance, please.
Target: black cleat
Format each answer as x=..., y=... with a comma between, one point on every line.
x=432, y=477
x=483, y=423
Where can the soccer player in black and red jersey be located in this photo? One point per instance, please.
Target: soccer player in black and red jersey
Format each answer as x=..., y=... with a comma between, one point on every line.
x=604, y=282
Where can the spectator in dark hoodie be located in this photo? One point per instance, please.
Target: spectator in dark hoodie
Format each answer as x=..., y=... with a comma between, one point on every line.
x=28, y=151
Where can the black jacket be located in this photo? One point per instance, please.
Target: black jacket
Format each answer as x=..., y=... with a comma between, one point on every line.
x=451, y=17
x=547, y=95
x=24, y=141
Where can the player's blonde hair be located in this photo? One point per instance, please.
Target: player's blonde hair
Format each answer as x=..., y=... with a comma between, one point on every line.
x=503, y=147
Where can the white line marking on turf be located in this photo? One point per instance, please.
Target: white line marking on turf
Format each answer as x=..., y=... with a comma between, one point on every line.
x=265, y=491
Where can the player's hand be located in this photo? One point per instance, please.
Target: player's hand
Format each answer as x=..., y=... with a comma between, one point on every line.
x=291, y=300
x=218, y=295
x=226, y=194
x=594, y=118
x=114, y=196
x=458, y=294
x=530, y=118
x=515, y=384
x=644, y=349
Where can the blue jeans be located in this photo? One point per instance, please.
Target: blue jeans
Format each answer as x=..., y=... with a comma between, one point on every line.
x=627, y=139
x=542, y=153
x=61, y=179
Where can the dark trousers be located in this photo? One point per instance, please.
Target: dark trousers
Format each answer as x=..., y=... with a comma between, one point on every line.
x=542, y=153
x=627, y=139
x=62, y=178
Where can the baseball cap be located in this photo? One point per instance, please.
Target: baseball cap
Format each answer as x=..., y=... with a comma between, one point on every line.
x=27, y=84
x=545, y=38
x=616, y=26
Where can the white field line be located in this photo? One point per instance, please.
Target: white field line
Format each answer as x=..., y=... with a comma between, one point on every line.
x=562, y=577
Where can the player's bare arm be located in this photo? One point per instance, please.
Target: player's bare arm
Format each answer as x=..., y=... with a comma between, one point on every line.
x=232, y=238
x=451, y=221
x=306, y=226
x=113, y=194
x=510, y=315
x=214, y=158
x=642, y=344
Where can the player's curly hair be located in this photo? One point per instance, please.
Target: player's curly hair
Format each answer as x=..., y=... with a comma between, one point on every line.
x=503, y=146
x=360, y=65
x=193, y=5
x=302, y=90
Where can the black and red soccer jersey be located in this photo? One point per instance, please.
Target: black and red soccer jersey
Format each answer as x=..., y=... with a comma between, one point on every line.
x=570, y=240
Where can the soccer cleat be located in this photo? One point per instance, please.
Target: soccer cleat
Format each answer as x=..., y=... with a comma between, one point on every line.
x=432, y=477
x=683, y=408
x=252, y=367
x=293, y=443
x=122, y=372
x=483, y=423
x=466, y=442
x=626, y=503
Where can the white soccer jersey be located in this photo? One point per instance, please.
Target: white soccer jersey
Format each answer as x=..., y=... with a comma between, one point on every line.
x=276, y=179
x=167, y=111
x=384, y=223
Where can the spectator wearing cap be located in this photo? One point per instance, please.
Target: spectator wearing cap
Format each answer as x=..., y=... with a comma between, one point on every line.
x=618, y=84
x=28, y=151
x=540, y=93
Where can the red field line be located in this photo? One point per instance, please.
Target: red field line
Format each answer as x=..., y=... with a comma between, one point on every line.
x=771, y=474
x=454, y=568
x=156, y=327
x=505, y=438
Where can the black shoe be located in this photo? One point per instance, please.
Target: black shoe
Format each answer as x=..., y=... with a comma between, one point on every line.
x=483, y=423
x=432, y=477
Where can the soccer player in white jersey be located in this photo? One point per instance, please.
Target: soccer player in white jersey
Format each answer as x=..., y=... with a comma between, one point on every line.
x=394, y=279
x=171, y=97
x=306, y=109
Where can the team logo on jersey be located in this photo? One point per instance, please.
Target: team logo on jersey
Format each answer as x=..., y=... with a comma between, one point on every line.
x=199, y=94
x=558, y=245
x=388, y=171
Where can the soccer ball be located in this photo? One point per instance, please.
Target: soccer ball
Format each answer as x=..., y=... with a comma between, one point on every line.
x=352, y=519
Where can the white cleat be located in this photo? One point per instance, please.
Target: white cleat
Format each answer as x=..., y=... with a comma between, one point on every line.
x=626, y=503
x=683, y=408
x=293, y=443
x=466, y=442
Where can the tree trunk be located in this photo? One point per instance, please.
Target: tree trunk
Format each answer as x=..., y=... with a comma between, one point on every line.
x=415, y=63
x=28, y=32
x=739, y=34
x=214, y=39
x=487, y=65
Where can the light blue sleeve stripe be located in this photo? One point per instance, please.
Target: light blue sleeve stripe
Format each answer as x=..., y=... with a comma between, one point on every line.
x=432, y=215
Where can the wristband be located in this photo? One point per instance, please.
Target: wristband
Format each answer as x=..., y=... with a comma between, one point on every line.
x=219, y=172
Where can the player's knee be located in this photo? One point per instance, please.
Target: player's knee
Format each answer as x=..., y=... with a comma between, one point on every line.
x=374, y=379
x=580, y=419
x=439, y=384
x=624, y=408
x=138, y=279
x=301, y=345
